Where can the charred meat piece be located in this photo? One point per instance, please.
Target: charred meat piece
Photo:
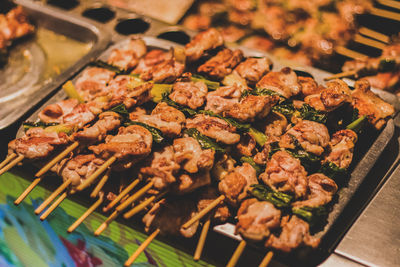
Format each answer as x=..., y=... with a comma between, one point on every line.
x=131, y=144
x=321, y=190
x=236, y=183
x=276, y=125
x=151, y=59
x=167, y=119
x=215, y=128
x=256, y=219
x=161, y=168
x=93, y=82
x=56, y=112
x=37, y=143
x=222, y=64
x=370, y=105
x=335, y=94
x=246, y=146
x=190, y=155
x=14, y=25
x=188, y=182
x=169, y=216
x=107, y=122
x=165, y=72
x=341, y=148
x=78, y=168
x=252, y=69
x=284, y=82
x=128, y=56
x=81, y=115
x=385, y=80
x=197, y=22
x=203, y=42
x=311, y=136
x=207, y=195
x=190, y=94
x=295, y=233
x=228, y=101
x=284, y=173
x=308, y=86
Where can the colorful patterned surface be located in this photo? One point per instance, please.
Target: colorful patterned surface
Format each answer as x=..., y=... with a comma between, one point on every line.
x=27, y=241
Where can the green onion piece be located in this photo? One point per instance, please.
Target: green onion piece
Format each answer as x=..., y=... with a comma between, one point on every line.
x=312, y=215
x=265, y=193
x=70, y=90
x=357, y=125
x=187, y=111
x=309, y=113
x=260, y=137
x=259, y=169
x=331, y=170
x=156, y=133
x=110, y=67
x=61, y=128
x=211, y=85
x=159, y=90
x=205, y=141
x=240, y=127
x=121, y=110
x=28, y=124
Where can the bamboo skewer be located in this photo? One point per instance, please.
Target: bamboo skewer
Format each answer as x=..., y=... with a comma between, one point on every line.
x=11, y=164
x=86, y=214
x=100, y=184
x=202, y=240
x=385, y=14
x=7, y=160
x=121, y=195
x=267, y=259
x=53, y=206
x=341, y=75
x=236, y=255
x=141, y=248
x=53, y=195
x=96, y=174
x=105, y=224
x=139, y=207
x=27, y=191
x=349, y=53
x=203, y=212
x=389, y=3
x=374, y=34
x=369, y=42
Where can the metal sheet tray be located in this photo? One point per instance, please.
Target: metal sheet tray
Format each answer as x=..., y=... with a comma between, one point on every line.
x=36, y=68
x=369, y=154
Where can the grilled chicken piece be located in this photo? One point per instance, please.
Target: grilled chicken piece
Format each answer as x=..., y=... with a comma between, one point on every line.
x=131, y=144
x=169, y=216
x=227, y=101
x=258, y=42
x=385, y=80
x=252, y=69
x=256, y=219
x=190, y=155
x=276, y=125
x=151, y=59
x=295, y=233
x=93, y=82
x=14, y=25
x=125, y=89
x=222, y=64
x=81, y=115
x=236, y=183
x=161, y=168
x=308, y=86
x=285, y=173
x=370, y=105
x=167, y=119
x=311, y=136
x=321, y=190
x=284, y=82
x=128, y=56
x=341, y=148
x=330, y=98
x=78, y=168
x=215, y=128
x=165, y=72
x=190, y=94
x=37, y=143
x=197, y=22
x=188, y=182
x=208, y=194
x=231, y=33
x=246, y=146
x=203, y=42
x=107, y=122
x=56, y=112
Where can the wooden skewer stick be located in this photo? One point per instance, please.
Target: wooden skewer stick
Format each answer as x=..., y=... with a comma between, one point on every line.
x=100, y=184
x=96, y=174
x=202, y=240
x=385, y=14
x=236, y=255
x=374, y=34
x=27, y=191
x=7, y=160
x=202, y=213
x=389, y=3
x=139, y=207
x=341, y=50
x=267, y=259
x=341, y=75
x=53, y=206
x=59, y=157
x=121, y=195
x=86, y=214
x=369, y=42
x=141, y=248
x=105, y=224
x=11, y=164
x=53, y=195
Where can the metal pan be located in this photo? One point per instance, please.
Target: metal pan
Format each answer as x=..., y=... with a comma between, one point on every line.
x=373, y=149
x=61, y=46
